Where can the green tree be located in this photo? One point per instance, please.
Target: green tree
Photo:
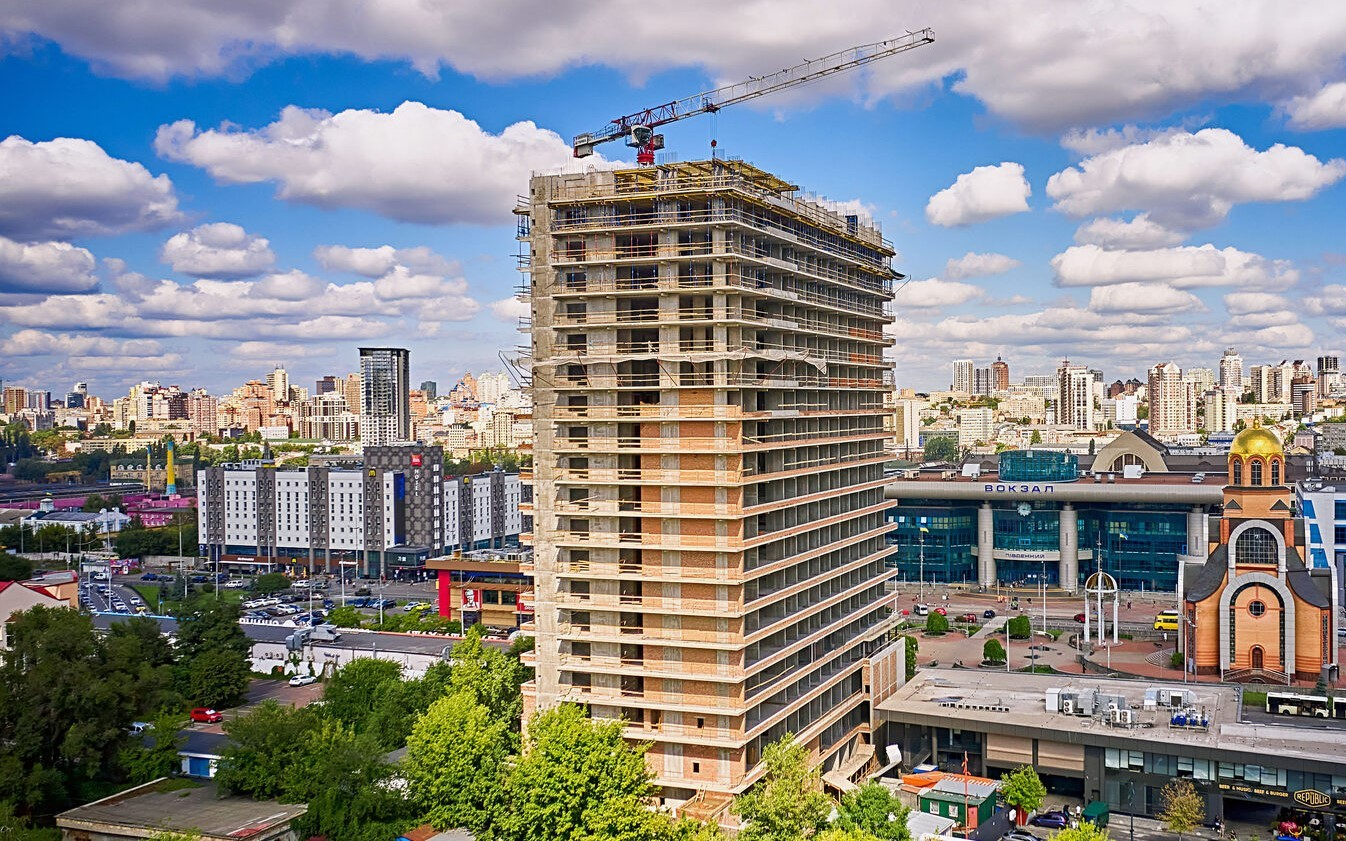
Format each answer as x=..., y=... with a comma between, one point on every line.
x=15, y=827
x=874, y=810
x=94, y=503
x=1183, y=807
x=218, y=677
x=14, y=568
x=913, y=646
x=1019, y=627
x=941, y=448
x=1086, y=831
x=455, y=761
x=271, y=582
x=992, y=651
x=936, y=623
x=562, y=787
x=1022, y=789
x=345, y=617
x=1035, y=438
x=262, y=746
x=156, y=753
x=788, y=804
x=359, y=690
x=65, y=707
x=213, y=666
x=490, y=675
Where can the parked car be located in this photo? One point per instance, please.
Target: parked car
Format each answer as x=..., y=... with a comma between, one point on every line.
x=302, y=680
x=199, y=579
x=1079, y=617
x=1020, y=835
x=1051, y=820
x=236, y=584
x=410, y=606
x=941, y=611
x=328, y=604
x=968, y=617
x=988, y=614
x=363, y=591
x=149, y=576
x=205, y=715
x=386, y=603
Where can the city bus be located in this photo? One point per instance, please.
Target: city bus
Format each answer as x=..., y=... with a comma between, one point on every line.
x=1292, y=703
x=1166, y=620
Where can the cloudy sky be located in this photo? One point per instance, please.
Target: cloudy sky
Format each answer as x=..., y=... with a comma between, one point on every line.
x=192, y=195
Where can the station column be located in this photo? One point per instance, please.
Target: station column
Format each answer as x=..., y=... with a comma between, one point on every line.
x=1069, y=570
x=1196, y=531
x=986, y=545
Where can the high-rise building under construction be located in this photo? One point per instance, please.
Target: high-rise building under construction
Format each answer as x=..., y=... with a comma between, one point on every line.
x=708, y=378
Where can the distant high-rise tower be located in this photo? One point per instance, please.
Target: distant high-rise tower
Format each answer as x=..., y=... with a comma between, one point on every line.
x=1000, y=375
x=279, y=383
x=1172, y=401
x=326, y=385
x=963, y=376
x=1231, y=373
x=385, y=400
x=1075, y=396
x=431, y=389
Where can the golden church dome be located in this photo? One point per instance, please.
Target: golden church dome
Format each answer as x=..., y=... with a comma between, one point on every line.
x=1256, y=441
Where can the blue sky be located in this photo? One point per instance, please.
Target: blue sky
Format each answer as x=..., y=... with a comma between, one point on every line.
x=191, y=197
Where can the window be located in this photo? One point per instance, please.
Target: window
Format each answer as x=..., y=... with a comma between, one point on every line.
x=1257, y=608
x=1255, y=473
x=1275, y=472
x=1238, y=473
x=1256, y=546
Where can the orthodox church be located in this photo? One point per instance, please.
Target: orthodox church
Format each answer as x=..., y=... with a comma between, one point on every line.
x=1254, y=611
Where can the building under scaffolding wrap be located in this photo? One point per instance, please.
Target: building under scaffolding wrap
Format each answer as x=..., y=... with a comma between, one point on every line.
x=708, y=378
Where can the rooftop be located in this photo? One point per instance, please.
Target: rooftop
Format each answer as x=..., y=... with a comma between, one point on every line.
x=175, y=806
x=996, y=698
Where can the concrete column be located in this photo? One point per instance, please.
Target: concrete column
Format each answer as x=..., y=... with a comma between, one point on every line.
x=1069, y=569
x=986, y=545
x=1196, y=531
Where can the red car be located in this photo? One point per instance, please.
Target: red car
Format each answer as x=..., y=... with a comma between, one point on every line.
x=941, y=611
x=968, y=617
x=205, y=715
x=1079, y=617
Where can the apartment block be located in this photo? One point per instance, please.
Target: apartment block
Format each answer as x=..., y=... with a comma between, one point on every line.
x=708, y=380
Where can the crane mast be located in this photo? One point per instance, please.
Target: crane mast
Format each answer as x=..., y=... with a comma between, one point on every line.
x=638, y=128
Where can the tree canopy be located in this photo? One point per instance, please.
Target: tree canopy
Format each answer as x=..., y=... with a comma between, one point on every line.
x=1184, y=808
x=1023, y=789
x=875, y=811
x=787, y=805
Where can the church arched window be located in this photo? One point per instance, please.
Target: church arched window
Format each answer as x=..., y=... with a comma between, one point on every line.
x=1255, y=473
x=1256, y=546
x=1238, y=473
x=1275, y=471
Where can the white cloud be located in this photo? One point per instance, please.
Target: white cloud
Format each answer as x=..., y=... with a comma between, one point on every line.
x=509, y=310
x=1183, y=267
x=1260, y=320
x=987, y=192
x=218, y=250
x=1137, y=233
x=1095, y=141
x=376, y=262
x=42, y=343
x=973, y=264
x=276, y=351
x=1037, y=63
x=1330, y=300
x=1142, y=298
x=1244, y=303
x=1321, y=110
x=45, y=267
x=1188, y=181
x=416, y=164
x=935, y=293
x=67, y=187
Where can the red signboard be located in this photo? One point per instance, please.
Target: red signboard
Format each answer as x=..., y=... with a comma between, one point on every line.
x=415, y=459
x=471, y=600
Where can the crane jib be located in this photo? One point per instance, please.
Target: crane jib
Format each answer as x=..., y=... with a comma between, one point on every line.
x=708, y=102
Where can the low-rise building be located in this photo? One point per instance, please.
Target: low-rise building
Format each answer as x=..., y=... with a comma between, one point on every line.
x=491, y=586
x=181, y=807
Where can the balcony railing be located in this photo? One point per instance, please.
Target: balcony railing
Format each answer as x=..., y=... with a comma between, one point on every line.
x=732, y=278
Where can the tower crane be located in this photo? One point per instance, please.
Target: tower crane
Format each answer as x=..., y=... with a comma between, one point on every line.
x=638, y=128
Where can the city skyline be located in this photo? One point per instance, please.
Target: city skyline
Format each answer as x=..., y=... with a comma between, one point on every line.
x=182, y=204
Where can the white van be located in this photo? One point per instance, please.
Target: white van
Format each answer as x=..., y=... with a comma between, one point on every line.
x=921, y=610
